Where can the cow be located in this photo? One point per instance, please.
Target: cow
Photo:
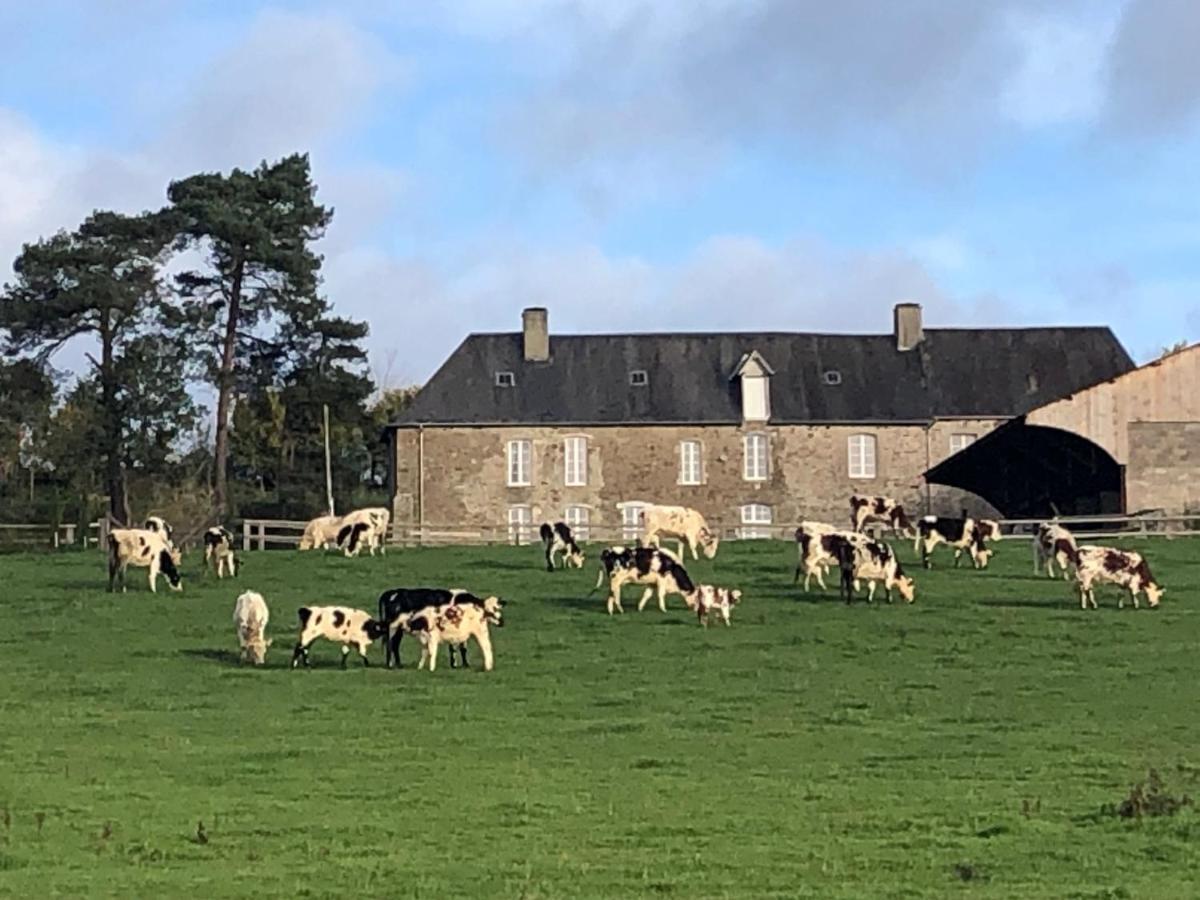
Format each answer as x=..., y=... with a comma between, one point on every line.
x=711, y=599
x=339, y=624
x=141, y=548
x=161, y=526
x=398, y=601
x=989, y=529
x=452, y=623
x=558, y=539
x=872, y=561
x=364, y=527
x=1055, y=544
x=816, y=550
x=658, y=569
x=1120, y=567
x=962, y=534
x=864, y=510
x=686, y=525
x=219, y=552
x=320, y=533
x=250, y=616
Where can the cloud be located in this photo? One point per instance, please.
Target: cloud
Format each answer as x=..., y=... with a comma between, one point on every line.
x=1153, y=71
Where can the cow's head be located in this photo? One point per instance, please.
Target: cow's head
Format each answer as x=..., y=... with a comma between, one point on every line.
x=493, y=611
x=169, y=561
x=907, y=588
x=734, y=596
x=575, y=556
x=374, y=629
x=709, y=542
x=307, y=541
x=981, y=555
x=255, y=650
x=1154, y=593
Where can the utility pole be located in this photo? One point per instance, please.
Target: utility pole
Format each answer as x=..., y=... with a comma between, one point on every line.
x=328, y=467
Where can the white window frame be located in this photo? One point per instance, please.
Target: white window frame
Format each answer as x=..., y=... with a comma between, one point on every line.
x=575, y=460
x=520, y=524
x=506, y=379
x=631, y=525
x=757, y=519
x=579, y=519
x=960, y=441
x=862, y=456
x=756, y=466
x=518, y=457
x=756, y=398
x=691, y=471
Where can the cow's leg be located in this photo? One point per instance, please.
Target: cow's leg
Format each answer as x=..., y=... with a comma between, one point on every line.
x=646, y=594
x=549, y=557
x=700, y=616
x=662, y=596
x=870, y=590
x=300, y=653
x=391, y=649
x=434, y=643
x=345, y=654
x=725, y=615
x=821, y=576
x=362, y=651
x=484, y=640
x=424, y=655
x=153, y=578
x=462, y=654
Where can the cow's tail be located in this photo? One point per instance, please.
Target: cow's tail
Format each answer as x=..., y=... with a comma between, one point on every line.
x=599, y=580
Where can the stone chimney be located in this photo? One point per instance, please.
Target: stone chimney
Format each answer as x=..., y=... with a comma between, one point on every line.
x=908, y=328
x=536, y=327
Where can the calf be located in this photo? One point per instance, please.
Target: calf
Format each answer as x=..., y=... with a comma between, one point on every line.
x=681, y=523
x=219, y=552
x=250, y=615
x=364, y=527
x=816, y=549
x=560, y=540
x=320, y=533
x=656, y=568
x=1055, y=544
x=872, y=561
x=398, y=601
x=1120, y=567
x=961, y=534
x=453, y=623
x=710, y=599
x=339, y=624
x=864, y=510
x=141, y=548
x=159, y=524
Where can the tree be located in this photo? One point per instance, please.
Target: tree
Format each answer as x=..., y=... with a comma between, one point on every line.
x=254, y=230
x=99, y=282
x=26, y=395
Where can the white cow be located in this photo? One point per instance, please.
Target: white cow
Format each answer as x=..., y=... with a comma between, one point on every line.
x=321, y=533
x=686, y=525
x=250, y=616
x=452, y=623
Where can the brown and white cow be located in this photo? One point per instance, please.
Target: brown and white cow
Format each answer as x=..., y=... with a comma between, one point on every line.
x=452, y=623
x=1121, y=567
x=339, y=624
x=140, y=548
x=659, y=569
x=710, y=599
x=321, y=533
x=686, y=525
x=1055, y=544
x=817, y=550
x=961, y=533
x=865, y=510
x=872, y=561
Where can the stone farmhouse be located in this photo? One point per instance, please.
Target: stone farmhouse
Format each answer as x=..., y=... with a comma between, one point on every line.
x=757, y=430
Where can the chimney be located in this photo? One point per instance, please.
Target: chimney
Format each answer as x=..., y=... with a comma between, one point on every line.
x=908, y=328
x=535, y=324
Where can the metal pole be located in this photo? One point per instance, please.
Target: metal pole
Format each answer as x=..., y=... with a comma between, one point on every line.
x=328, y=468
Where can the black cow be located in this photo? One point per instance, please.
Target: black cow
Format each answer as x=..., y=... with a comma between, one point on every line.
x=398, y=601
x=558, y=539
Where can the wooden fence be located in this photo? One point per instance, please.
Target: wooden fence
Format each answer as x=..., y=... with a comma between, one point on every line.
x=34, y=537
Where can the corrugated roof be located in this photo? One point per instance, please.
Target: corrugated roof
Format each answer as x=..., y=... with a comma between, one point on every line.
x=952, y=373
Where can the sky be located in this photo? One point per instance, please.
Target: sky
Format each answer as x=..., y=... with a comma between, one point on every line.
x=649, y=166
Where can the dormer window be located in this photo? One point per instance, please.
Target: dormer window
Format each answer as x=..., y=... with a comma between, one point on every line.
x=755, y=375
x=831, y=377
x=639, y=378
x=505, y=379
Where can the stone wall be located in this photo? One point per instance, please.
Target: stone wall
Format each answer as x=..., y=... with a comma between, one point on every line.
x=1164, y=466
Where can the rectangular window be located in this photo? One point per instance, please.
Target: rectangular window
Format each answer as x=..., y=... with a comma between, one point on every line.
x=862, y=456
x=520, y=455
x=960, y=442
x=754, y=448
x=689, y=463
x=575, y=452
x=631, y=521
x=505, y=379
x=756, y=521
x=577, y=518
x=520, y=524
x=755, y=407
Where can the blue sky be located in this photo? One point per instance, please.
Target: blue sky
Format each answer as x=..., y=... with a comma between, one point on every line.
x=759, y=164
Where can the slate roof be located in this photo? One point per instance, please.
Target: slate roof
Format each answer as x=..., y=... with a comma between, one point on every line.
x=952, y=373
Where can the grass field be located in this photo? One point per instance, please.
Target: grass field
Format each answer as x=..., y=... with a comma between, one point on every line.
x=963, y=746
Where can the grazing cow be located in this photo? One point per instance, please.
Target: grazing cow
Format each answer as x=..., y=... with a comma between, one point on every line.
x=320, y=533
x=961, y=534
x=872, y=561
x=686, y=525
x=219, y=552
x=816, y=549
x=1055, y=544
x=453, y=623
x=711, y=599
x=1121, y=567
x=864, y=510
x=160, y=525
x=250, y=615
x=398, y=601
x=339, y=624
x=656, y=568
x=364, y=527
x=142, y=549
x=560, y=540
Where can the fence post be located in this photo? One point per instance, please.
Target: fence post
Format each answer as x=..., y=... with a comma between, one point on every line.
x=246, y=536
x=262, y=535
x=70, y=529
x=1034, y=545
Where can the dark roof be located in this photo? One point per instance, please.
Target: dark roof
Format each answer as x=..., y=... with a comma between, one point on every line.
x=952, y=373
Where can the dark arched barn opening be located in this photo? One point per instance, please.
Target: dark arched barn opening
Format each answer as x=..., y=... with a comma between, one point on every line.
x=1031, y=471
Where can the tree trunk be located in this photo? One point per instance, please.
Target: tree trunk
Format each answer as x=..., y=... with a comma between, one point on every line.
x=118, y=499
x=225, y=393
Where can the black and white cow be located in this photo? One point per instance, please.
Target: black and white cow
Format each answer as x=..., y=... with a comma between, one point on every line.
x=141, y=548
x=961, y=533
x=817, y=550
x=219, y=552
x=558, y=539
x=339, y=624
x=364, y=528
x=398, y=601
x=872, y=561
x=864, y=510
x=1055, y=544
x=1120, y=567
x=658, y=569
x=159, y=525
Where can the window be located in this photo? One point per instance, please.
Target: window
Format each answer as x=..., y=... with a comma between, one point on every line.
x=639, y=378
x=960, y=442
x=577, y=518
x=754, y=449
x=862, y=456
x=631, y=520
x=575, y=451
x=519, y=458
x=505, y=379
x=756, y=521
x=690, y=471
x=831, y=376
x=755, y=407
x=520, y=524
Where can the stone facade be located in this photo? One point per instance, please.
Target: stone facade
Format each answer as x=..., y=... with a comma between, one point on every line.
x=456, y=477
x=1164, y=468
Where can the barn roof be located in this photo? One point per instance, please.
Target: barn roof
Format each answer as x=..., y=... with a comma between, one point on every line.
x=953, y=372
